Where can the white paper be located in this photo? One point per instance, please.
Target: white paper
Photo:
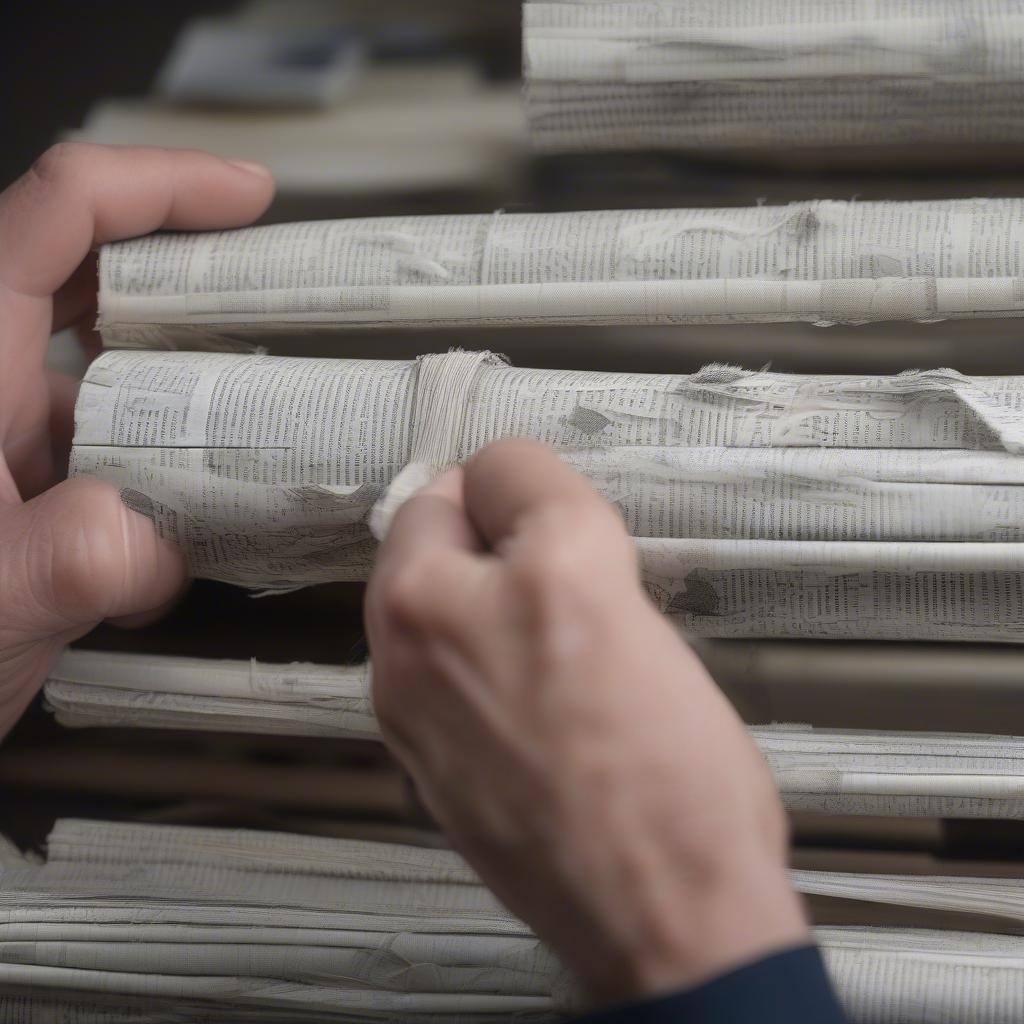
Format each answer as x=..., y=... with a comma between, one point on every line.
x=216, y=923
x=822, y=261
x=763, y=504
x=834, y=771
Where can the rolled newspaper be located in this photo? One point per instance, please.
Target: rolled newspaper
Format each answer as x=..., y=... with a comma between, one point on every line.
x=763, y=504
x=823, y=261
x=839, y=771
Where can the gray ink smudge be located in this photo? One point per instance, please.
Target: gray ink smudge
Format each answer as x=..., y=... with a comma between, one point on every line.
x=138, y=502
x=324, y=499
x=590, y=421
x=698, y=597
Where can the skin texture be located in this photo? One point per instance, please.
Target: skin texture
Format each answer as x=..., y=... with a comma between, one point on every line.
x=570, y=743
x=71, y=555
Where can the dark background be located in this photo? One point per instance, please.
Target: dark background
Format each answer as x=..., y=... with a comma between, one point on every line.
x=58, y=58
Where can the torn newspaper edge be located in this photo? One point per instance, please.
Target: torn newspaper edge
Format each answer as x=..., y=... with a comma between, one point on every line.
x=844, y=771
x=273, y=925
x=774, y=73
x=763, y=504
x=822, y=261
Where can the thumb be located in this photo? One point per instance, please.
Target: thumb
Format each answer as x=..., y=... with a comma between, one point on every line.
x=76, y=555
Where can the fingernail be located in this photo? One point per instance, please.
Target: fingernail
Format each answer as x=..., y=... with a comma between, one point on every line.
x=251, y=167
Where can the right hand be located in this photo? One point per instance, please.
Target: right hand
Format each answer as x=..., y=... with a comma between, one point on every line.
x=569, y=742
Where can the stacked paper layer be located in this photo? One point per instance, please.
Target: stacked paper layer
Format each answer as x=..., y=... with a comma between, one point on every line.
x=772, y=73
x=89, y=688
x=763, y=504
x=197, y=924
x=837, y=771
x=269, y=925
x=824, y=262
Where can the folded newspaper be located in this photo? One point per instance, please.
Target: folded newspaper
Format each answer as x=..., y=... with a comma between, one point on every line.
x=153, y=923
x=823, y=261
x=738, y=74
x=763, y=504
x=844, y=771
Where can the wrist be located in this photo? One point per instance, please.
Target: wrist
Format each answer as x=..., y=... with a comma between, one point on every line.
x=687, y=936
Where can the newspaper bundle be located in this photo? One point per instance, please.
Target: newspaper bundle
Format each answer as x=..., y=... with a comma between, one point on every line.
x=846, y=771
x=738, y=74
x=154, y=923
x=822, y=261
x=763, y=504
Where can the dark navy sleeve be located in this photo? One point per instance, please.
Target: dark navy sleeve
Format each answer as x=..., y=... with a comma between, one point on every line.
x=785, y=988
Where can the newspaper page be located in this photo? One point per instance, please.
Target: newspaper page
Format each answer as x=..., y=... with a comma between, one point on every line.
x=270, y=471
x=277, y=926
x=823, y=261
x=846, y=771
x=738, y=74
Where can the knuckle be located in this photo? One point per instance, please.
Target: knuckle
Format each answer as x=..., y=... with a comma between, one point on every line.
x=62, y=162
x=492, y=464
x=549, y=568
x=566, y=544
x=408, y=597
x=547, y=565
x=86, y=548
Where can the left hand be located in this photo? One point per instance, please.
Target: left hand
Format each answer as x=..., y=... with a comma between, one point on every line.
x=71, y=555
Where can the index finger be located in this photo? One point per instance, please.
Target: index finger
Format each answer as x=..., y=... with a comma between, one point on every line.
x=78, y=195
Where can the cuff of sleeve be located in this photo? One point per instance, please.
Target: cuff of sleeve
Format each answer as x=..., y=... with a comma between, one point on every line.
x=782, y=988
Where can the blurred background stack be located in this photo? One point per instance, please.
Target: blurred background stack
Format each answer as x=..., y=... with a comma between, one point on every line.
x=395, y=107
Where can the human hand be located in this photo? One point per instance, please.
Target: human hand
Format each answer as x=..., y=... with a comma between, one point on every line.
x=569, y=742
x=71, y=554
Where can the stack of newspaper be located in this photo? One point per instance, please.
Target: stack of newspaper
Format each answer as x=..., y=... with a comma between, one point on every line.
x=772, y=73
x=763, y=504
x=845, y=771
x=152, y=924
